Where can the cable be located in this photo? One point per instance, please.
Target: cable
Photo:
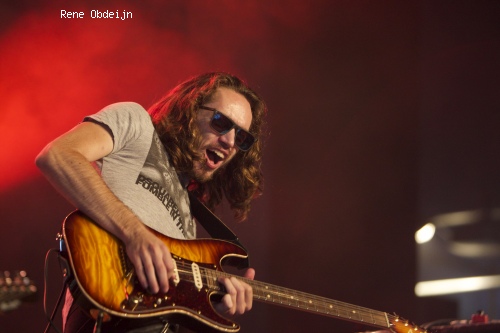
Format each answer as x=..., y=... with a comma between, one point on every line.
x=54, y=311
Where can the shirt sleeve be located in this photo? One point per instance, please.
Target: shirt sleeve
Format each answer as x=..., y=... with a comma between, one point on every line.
x=124, y=121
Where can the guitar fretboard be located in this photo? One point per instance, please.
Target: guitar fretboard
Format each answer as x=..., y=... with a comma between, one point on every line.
x=315, y=304
x=290, y=298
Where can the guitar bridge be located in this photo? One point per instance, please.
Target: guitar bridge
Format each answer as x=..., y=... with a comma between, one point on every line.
x=139, y=301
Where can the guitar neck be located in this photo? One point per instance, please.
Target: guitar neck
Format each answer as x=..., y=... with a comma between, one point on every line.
x=289, y=298
x=319, y=305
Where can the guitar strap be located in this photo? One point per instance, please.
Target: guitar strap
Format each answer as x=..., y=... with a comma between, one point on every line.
x=213, y=225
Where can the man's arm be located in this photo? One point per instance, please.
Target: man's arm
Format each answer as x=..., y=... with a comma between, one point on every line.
x=66, y=162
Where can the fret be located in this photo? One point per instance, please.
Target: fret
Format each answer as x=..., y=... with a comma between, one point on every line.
x=211, y=279
x=332, y=309
x=292, y=299
x=266, y=294
x=356, y=314
x=307, y=304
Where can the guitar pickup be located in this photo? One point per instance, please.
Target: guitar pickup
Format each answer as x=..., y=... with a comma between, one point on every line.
x=176, y=279
x=196, y=276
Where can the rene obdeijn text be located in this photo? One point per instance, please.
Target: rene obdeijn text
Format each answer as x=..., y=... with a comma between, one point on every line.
x=98, y=14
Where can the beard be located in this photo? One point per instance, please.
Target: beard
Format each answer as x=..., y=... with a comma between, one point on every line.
x=203, y=174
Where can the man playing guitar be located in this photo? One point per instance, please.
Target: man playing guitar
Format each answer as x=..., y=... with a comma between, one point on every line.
x=130, y=171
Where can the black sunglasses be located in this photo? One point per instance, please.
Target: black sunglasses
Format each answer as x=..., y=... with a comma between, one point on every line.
x=222, y=124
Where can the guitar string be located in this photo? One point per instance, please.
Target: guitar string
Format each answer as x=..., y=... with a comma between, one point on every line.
x=299, y=299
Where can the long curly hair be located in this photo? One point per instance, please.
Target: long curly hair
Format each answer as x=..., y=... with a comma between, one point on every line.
x=174, y=115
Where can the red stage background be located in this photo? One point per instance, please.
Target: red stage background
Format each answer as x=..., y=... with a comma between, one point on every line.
x=381, y=114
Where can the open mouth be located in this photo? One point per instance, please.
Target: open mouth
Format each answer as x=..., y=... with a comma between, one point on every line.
x=214, y=157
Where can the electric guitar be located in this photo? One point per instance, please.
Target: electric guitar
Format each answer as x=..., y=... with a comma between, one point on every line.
x=106, y=277
x=14, y=287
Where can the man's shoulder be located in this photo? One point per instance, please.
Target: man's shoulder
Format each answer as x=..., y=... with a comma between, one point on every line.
x=128, y=112
x=125, y=107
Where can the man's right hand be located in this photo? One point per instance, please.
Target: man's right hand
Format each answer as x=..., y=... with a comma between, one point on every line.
x=152, y=260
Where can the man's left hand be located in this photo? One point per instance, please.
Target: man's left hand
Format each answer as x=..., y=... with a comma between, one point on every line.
x=239, y=295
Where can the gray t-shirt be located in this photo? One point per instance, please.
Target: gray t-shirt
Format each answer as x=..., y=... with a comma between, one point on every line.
x=139, y=173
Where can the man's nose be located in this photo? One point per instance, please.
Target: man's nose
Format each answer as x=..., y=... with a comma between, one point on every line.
x=228, y=138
